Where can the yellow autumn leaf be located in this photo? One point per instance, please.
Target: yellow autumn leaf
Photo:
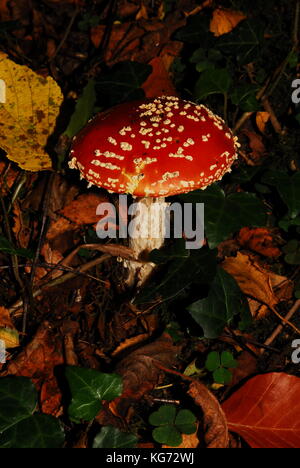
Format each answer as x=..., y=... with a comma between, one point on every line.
x=262, y=118
x=29, y=106
x=224, y=21
x=10, y=338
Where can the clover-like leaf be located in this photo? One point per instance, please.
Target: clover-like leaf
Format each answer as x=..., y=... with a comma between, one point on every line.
x=172, y=424
x=186, y=422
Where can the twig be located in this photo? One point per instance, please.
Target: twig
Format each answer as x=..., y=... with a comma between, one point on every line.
x=271, y=84
x=296, y=25
x=58, y=281
x=51, y=266
x=275, y=122
x=171, y=371
x=17, y=191
x=246, y=116
x=9, y=236
x=279, y=329
x=254, y=343
x=285, y=320
x=68, y=30
x=44, y=223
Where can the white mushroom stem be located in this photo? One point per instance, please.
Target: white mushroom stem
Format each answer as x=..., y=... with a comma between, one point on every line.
x=147, y=232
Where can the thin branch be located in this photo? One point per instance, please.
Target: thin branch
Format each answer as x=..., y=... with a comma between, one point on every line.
x=280, y=328
x=58, y=281
x=66, y=35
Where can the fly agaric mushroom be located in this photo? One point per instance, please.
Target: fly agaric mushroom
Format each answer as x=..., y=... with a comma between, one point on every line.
x=153, y=149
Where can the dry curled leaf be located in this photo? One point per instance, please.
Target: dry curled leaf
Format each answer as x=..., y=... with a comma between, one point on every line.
x=140, y=376
x=253, y=279
x=259, y=240
x=80, y=211
x=224, y=21
x=8, y=332
x=37, y=362
x=257, y=146
x=28, y=115
x=215, y=424
x=7, y=178
x=159, y=82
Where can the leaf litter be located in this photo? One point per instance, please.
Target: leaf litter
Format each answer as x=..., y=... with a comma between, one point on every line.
x=70, y=307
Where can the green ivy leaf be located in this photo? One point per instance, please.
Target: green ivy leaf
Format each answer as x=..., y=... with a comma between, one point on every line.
x=244, y=96
x=37, y=431
x=196, y=32
x=164, y=255
x=288, y=188
x=88, y=389
x=110, y=437
x=224, y=215
x=19, y=427
x=84, y=110
x=123, y=82
x=18, y=401
x=224, y=302
x=213, y=81
x=244, y=42
x=198, y=268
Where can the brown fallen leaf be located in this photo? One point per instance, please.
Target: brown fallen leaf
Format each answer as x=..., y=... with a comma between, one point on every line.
x=253, y=279
x=140, y=41
x=224, y=21
x=140, y=376
x=215, y=424
x=256, y=282
x=247, y=366
x=257, y=146
x=259, y=240
x=266, y=411
x=5, y=319
x=21, y=229
x=7, y=178
x=37, y=362
x=79, y=212
x=159, y=82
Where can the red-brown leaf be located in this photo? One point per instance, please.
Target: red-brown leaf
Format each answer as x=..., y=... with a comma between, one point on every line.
x=266, y=411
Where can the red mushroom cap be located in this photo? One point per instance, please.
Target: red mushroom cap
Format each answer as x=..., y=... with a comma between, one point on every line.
x=154, y=148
